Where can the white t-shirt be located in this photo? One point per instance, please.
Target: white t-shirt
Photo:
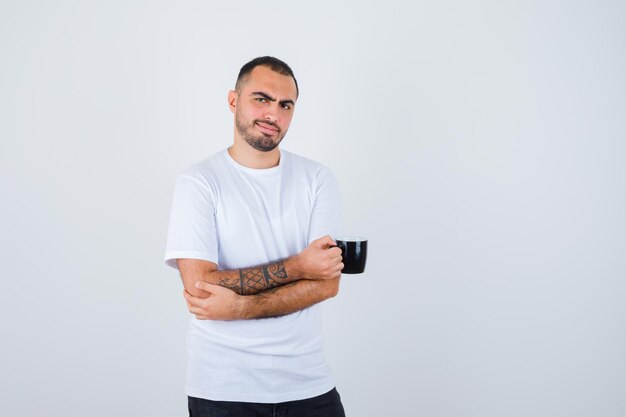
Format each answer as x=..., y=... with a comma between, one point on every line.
x=239, y=217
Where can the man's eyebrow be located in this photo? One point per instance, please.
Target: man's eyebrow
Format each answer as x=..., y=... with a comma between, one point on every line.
x=268, y=97
x=262, y=94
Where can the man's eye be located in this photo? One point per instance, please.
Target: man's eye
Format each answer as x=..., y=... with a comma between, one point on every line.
x=286, y=106
x=261, y=100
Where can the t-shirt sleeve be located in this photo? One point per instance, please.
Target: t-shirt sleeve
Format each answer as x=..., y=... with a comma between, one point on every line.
x=192, y=231
x=326, y=218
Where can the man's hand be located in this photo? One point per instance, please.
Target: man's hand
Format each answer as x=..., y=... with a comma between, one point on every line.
x=320, y=260
x=221, y=304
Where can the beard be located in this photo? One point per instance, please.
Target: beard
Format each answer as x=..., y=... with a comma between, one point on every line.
x=257, y=140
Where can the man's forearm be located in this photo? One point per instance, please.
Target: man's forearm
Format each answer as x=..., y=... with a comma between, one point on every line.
x=253, y=280
x=243, y=281
x=319, y=260
x=287, y=299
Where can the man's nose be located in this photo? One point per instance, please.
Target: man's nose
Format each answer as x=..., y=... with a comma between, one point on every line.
x=270, y=115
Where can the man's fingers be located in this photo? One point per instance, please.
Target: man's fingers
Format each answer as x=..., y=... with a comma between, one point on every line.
x=200, y=311
x=187, y=296
x=197, y=311
x=325, y=242
x=335, y=252
x=334, y=257
x=191, y=300
x=335, y=270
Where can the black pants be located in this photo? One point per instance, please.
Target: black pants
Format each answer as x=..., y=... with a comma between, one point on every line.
x=325, y=405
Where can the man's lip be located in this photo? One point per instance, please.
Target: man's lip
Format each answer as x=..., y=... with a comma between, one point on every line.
x=264, y=127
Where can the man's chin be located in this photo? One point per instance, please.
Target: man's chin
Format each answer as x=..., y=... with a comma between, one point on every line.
x=262, y=144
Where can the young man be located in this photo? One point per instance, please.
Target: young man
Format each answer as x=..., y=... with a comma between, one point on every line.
x=250, y=234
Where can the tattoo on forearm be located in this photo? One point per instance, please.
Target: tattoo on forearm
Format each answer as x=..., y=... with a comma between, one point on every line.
x=231, y=285
x=257, y=279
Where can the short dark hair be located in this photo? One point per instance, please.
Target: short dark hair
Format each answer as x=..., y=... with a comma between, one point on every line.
x=272, y=63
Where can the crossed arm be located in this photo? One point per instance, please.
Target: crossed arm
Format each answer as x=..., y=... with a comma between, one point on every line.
x=274, y=289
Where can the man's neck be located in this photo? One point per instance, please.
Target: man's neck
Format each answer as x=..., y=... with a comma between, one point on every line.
x=247, y=156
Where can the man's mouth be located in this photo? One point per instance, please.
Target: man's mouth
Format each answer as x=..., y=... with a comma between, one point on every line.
x=266, y=128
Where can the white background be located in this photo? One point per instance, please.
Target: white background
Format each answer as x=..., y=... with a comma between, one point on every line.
x=480, y=147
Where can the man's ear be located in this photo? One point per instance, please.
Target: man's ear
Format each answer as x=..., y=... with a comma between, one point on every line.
x=232, y=100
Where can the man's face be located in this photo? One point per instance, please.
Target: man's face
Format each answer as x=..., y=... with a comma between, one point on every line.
x=264, y=107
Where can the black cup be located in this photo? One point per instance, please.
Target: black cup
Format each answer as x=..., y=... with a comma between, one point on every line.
x=354, y=253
